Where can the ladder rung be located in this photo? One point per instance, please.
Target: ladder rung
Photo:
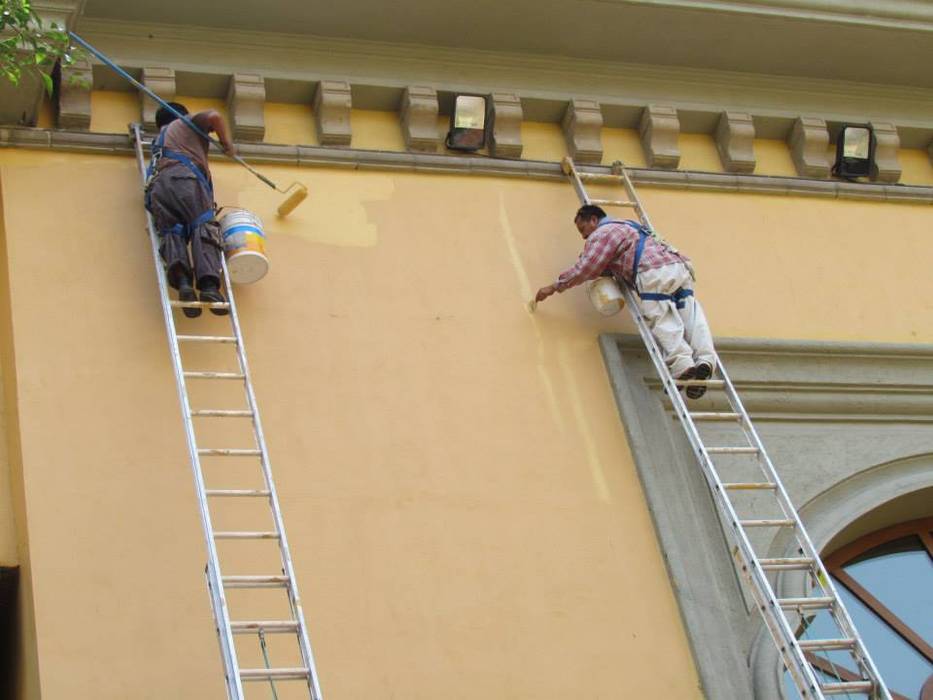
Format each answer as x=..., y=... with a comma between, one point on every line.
x=225, y=452
x=826, y=644
x=214, y=375
x=768, y=522
x=750, y=486
x=705, y=415
x=786, y=563
x=273, y=674
x=847, y=687
x=237, y=492
x=199, y=304
x=274, y=626
x=815, y=602
x=613, y=203
x=732, y=450
x=221, y=413
x=206, y=338
x=708, y=383
x=271, y=581
x=246, y=535
x=601, y=177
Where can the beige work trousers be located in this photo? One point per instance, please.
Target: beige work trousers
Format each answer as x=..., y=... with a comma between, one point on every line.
x=683, y=334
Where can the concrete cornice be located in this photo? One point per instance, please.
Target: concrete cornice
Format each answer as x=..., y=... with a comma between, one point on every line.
x=892, y=14
x=357, y=159
x=863, y=382
x=379, y=71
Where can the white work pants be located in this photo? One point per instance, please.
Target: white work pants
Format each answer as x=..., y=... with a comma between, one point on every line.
x=682, y=334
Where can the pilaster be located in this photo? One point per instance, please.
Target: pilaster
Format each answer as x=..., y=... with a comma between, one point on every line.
x=246, y=101
x=505, y=115
x=419, y=119
x=887, y=142
x=809, y=141
x=659, y=129
x=582, y=125
x=735, y=141
x=74, y=96
x=332, y=104
x=162, y=82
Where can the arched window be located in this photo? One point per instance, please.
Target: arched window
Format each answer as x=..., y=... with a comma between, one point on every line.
x=886, y=582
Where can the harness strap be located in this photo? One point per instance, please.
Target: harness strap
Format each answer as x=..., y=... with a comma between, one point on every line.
x=185, y=230
x=677, y=297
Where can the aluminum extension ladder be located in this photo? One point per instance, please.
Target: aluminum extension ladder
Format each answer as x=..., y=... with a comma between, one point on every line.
x=781, y=615
x=218, y=581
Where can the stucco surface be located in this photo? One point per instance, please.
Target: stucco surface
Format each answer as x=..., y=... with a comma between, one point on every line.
x=459, y=496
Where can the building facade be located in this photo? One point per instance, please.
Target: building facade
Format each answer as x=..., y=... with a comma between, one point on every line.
x=479, y=500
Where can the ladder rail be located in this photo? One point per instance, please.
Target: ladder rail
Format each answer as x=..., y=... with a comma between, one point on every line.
x=218, y=599
x=304, y=642
x=760, y=587
x=748, y=560
x=818, y=569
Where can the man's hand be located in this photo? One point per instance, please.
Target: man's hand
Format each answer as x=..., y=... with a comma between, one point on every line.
x=230, y=149
x=545, y=292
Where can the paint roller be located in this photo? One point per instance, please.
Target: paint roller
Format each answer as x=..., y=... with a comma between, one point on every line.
x=284, y=209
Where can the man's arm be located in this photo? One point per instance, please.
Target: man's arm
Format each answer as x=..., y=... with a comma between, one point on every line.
x=598, y=252
x=212, y=120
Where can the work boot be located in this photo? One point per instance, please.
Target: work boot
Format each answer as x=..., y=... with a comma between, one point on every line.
x=210, y=293
x=702, y=371
x=686, y=374
x=186, y=293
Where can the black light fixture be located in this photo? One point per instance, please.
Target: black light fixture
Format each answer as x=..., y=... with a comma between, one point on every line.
x=467, y=123
x=855, y=151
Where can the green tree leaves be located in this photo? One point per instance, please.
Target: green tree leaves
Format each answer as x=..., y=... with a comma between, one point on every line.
x=28, y=46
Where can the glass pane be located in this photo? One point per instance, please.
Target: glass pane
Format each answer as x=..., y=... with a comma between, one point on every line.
x=856, y=142
x=900, y=575
x=903, y=668
x=470, y=112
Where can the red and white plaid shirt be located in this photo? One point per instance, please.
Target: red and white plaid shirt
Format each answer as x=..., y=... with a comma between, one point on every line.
x=612, y=247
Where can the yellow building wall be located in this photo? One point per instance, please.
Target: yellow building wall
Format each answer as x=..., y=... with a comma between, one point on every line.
x=462, y=505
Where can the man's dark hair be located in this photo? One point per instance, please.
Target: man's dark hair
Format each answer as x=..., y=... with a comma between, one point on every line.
x=588, y=211
x=164, y=117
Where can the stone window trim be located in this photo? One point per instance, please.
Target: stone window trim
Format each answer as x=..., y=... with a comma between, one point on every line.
x=872, y=441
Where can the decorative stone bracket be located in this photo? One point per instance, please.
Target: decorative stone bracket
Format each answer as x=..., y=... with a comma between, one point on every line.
x=887, y=142
x=246, y=101
x=419, y=111
x=735, y=141
x=582, y=125
x=332, y=104
x=808, y=141
x=74, y=97
x=162, y=82
x=659, y=128
x=505, y=115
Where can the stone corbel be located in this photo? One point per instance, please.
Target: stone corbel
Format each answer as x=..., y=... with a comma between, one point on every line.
x=887, y=167
x=582, y=125
x=162, y=82
x=246, y=102
x=505, y=115
x=659, y=129
x=808, y=141
x=332, y=113
x=735, y=141
x=74, y=97
x=419, y=119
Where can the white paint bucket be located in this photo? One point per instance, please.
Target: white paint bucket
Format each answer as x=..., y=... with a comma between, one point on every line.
x=244, y=246
x=606, y=296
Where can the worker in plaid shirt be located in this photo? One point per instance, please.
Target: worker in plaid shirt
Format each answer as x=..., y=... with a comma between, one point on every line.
x=661, y=278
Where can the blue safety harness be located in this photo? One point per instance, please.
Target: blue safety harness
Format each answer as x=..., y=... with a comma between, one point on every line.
x=678, y=296
x=158, y=152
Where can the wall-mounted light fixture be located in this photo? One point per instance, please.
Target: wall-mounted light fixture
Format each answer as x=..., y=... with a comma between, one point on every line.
x=855, y=151
x=467, y=124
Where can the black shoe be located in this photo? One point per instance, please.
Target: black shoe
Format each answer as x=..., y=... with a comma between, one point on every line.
x=211, y=294
x=702, y=371
x=186, y=293
x=687, y=374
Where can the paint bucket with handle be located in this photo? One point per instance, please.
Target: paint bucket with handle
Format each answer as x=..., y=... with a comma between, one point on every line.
x=244, y=246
